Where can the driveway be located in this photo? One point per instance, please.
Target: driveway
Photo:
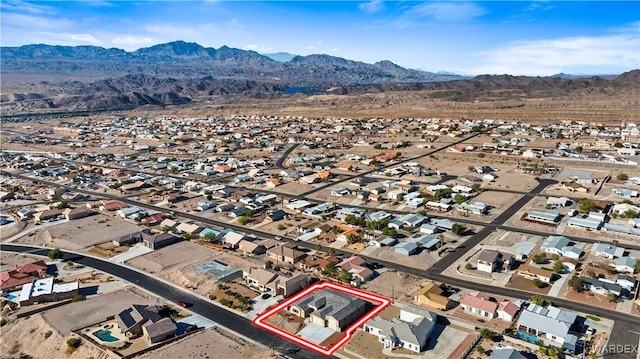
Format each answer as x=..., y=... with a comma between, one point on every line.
x=260, y=305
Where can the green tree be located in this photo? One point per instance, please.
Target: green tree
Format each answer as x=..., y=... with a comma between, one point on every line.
x=377, y=146
x=268, y=264
x=629, y=214
x=537, y=300
x=576, y=283
x=458, y=198
x=487, y=334
x=539, y=258
x=611, y=297
x=538, y=283
x=209, y=237
x=636, y=267
x=591, y=273
x=468, y=266
x=272, y=346
x=586, y=205
x=458, y=229
x=73, y=343
x=329, y=269
x=345, y=276
x=54, y=254
x=243, y=220
x=557, y=267
x=480, y=350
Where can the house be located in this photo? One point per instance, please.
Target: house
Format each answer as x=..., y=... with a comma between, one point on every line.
x=621, y=208
x=128, y=239
x=157, y=241
x=548, y=323
x=128, y=212
x=560, y=245
x=507, y=310
x=43, y=290
x=406, y=248
x=285, y=254
x=18, y=275
x=358, y=269
x=411, y=220
x=251, y=248
x=259, y=278
x=479, y=208
x=558, y=202
x=232, y=239
x=627, y=282
x=189, y=228
x=623, y=192
x=317, y=264
x=46, y=215
x=607, y=251
x=410, y=331
x=489, y=261
x=480, y=304
x=574, y=187
x=329, y=308
x=76, y=213
x=532, y=273
x=431, y=295
x=588, y=223
x=600, y=286
x=625, y=264
x=506, y=353
x=286, y=286
x=140, y=320
x=551, y=217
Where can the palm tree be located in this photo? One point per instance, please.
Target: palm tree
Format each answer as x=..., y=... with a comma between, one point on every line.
x=272, y=346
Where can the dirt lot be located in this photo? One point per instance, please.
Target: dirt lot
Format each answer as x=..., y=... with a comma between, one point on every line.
x=498, y=200
x=286, y=321
x=178, y=255
x=35, y=337
x=81, y=233
x=210, y=344
x=175, y=263
x=8, y=259
x=394, y=285
x=227, y=293
x=80, y=314
x=519, y=282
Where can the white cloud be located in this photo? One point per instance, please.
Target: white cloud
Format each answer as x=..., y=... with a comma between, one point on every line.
x=447, y=11
x=582, y=54
x=132, y=41
x=21, y=6
x=85, y=39
x=372, y=6
x=33, y=22
x=257, y=48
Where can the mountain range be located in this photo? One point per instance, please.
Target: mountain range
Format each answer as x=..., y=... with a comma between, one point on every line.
x=44, y=77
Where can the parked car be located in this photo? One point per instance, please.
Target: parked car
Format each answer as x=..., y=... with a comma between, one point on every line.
x=277, y=238
x=590, y=331
x=184, y=304
x=266, y=296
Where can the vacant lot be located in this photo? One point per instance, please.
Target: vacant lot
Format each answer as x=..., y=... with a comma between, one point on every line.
x=210, y=344
x=98, y=308
x=394, y=285
x=82, y=233
x=181, y=254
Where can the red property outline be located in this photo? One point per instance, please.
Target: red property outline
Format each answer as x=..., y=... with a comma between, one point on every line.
x=380, y=301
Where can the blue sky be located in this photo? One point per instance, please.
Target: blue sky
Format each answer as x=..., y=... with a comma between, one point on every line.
x=470, y=38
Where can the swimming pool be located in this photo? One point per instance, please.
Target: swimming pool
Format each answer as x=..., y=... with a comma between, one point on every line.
x=105, y=336
x=10, y=296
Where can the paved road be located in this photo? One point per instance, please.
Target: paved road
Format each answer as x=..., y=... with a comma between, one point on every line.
x=200, y=306
x=284, y=155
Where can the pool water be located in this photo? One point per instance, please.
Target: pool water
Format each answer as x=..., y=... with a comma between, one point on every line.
x=105, y=336
x=10, y=296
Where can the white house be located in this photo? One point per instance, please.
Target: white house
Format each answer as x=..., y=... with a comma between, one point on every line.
x=409, y=331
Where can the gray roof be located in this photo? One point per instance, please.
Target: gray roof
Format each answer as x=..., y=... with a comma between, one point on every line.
x=625, y=261
x=607, y=248
x=138, y=313
x=331, y=303
x=552, y=320
x=506, y=354
x=555, y=242
x=161, y=327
